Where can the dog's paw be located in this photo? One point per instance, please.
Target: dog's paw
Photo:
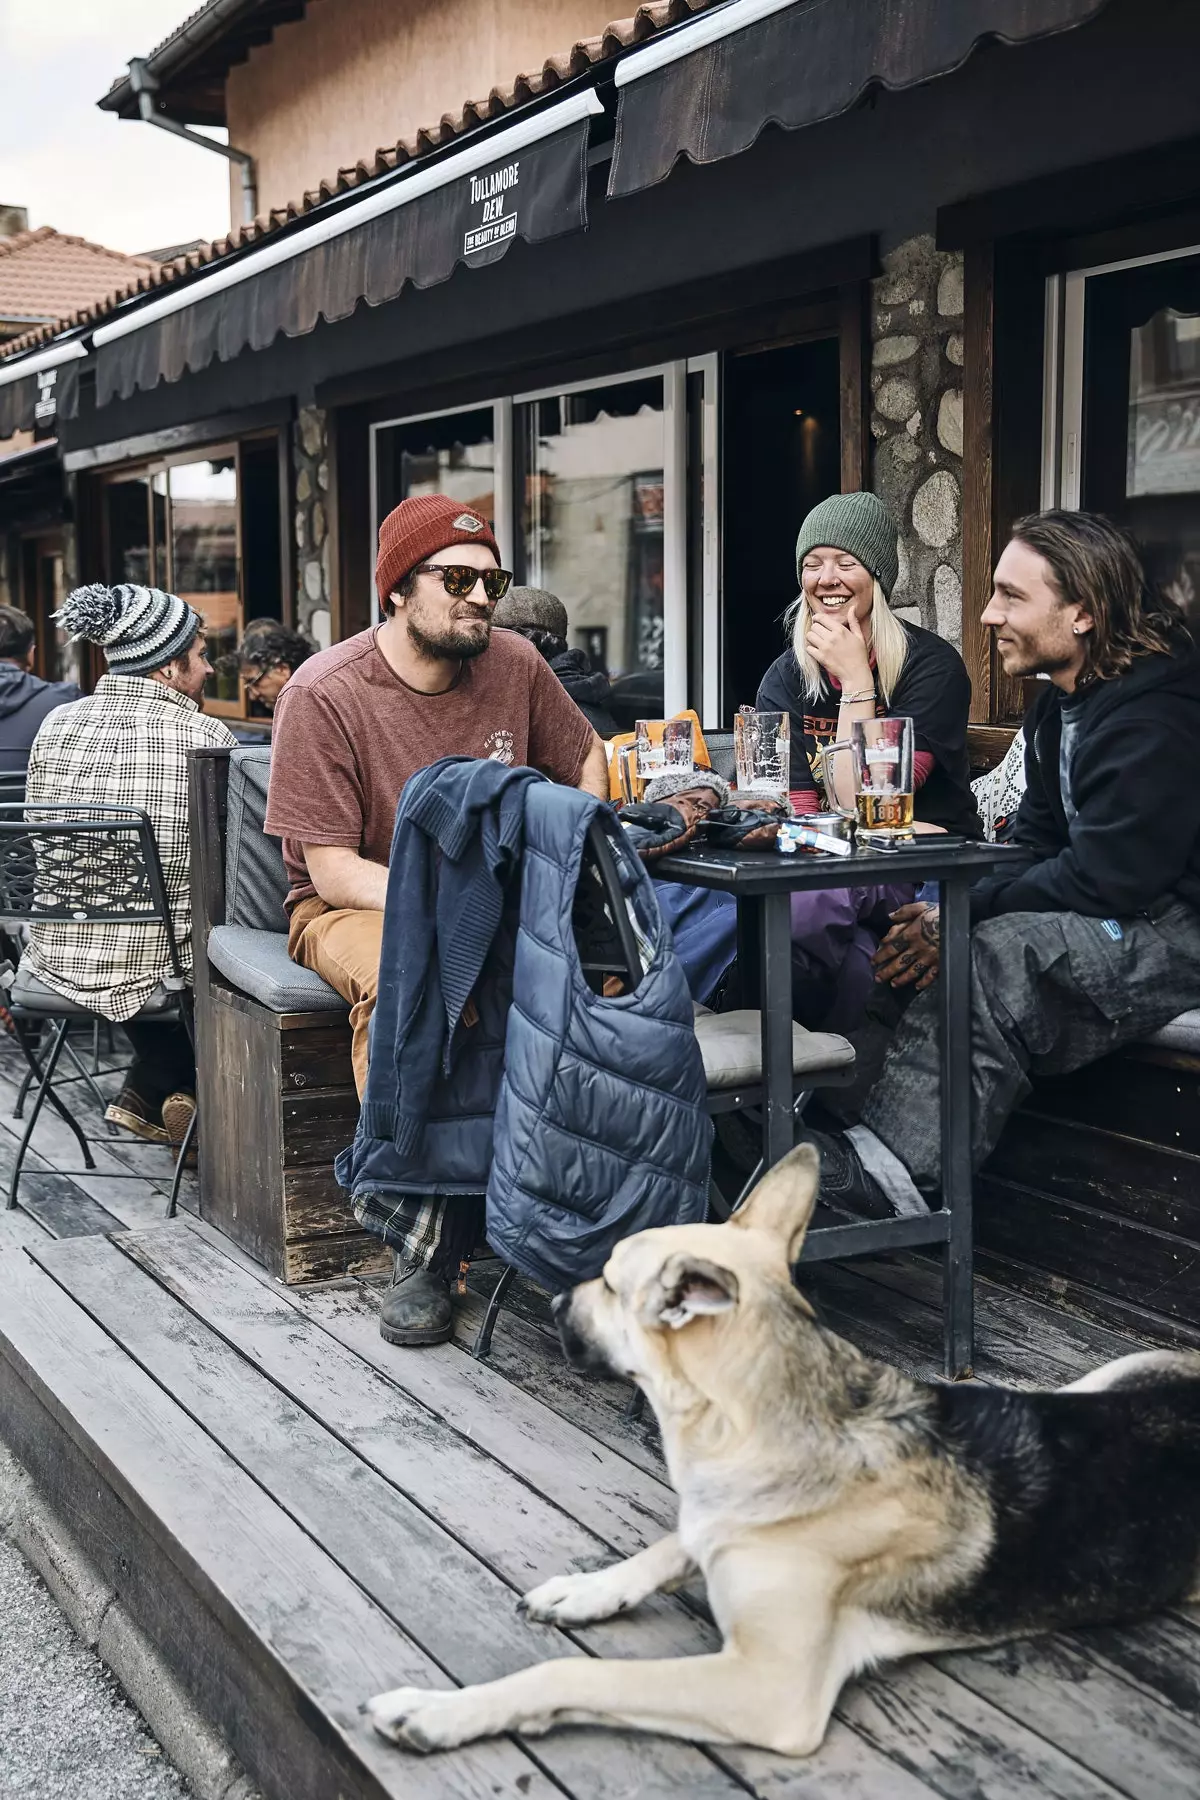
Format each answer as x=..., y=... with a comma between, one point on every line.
x=419, y=1719
x=575, y=1599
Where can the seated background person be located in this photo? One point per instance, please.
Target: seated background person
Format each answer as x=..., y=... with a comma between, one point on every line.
x=128, y=744
x=351, y=726
x=25, y=699
x=1090, y=939
x=851, y=658
x=268, y=656
x=541, y=618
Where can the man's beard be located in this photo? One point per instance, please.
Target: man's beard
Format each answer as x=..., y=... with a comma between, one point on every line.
x=445, y=644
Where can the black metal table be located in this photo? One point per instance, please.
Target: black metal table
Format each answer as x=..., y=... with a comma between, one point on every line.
x=762, y=881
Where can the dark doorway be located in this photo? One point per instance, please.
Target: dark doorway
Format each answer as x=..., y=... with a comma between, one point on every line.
x=782, y=454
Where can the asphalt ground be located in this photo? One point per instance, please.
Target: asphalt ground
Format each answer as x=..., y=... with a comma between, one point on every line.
x=66, y=1730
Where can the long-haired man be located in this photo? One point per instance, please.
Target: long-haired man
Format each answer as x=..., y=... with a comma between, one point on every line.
x=1091, y=937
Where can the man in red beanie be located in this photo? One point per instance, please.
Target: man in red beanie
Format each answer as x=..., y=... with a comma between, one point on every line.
x=351, y=726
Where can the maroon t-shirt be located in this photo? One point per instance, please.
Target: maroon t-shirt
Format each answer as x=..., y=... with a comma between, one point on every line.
x=348, y=733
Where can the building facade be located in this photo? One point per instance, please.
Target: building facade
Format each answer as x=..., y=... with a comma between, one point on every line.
x=648, y=300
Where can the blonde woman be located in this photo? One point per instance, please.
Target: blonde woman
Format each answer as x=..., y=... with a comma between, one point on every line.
x=852, y=658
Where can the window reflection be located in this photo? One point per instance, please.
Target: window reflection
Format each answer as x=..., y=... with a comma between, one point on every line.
x=592, y=528
x=454, y=455
x=127, y=532
x=1142, y=414
x=204, y=557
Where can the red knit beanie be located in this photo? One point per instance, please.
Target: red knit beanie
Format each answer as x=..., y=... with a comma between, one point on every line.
x=418, y=528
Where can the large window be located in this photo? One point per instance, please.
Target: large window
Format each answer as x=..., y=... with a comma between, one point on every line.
x=585, y=486
x=1125, y=439
x=205, y=526
x=591, y=527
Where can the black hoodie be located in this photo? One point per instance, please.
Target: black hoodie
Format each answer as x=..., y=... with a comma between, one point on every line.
x=24, y=702
x=588, y=688
x=1133, y=842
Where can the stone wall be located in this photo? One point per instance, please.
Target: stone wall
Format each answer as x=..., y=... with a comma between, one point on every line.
x=310, y=458
x=917, y=426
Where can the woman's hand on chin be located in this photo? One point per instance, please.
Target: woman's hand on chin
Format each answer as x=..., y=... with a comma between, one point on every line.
x=841, y=649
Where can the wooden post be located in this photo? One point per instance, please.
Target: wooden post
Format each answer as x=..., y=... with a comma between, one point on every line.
x=978, y=465
x=854, y=364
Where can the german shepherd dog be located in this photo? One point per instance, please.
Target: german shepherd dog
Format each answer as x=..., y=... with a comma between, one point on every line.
x=841, y=1514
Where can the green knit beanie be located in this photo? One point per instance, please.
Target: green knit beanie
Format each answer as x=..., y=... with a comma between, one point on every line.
x=858, y=523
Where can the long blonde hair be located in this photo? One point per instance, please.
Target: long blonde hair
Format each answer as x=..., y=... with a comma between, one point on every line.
x=884, y=632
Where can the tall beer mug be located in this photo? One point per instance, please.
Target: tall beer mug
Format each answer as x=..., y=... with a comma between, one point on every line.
x=882, y=754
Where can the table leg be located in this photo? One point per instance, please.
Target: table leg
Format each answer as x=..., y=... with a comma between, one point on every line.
x=775, y=1001
x=749, y=954
x=954, y=981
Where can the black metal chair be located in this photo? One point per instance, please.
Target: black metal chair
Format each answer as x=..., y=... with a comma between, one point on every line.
x=69, y=865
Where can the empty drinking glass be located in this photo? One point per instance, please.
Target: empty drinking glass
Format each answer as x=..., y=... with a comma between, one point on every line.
x=762, y=751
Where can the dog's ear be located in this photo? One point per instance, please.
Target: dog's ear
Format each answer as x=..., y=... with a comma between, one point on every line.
x=783, y=1201
x=687, y=1288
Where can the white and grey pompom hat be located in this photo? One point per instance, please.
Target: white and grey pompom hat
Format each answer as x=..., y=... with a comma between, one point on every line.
x=139, y=629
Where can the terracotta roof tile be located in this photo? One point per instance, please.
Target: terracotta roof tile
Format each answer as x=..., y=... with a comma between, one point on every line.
x=581, y=58
x=46, y=275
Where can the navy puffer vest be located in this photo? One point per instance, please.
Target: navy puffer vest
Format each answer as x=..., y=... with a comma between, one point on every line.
x=601, y=1128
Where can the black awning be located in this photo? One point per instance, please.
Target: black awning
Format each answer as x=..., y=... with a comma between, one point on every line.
x=796, y=66
x=17, y=401
x=37, y=400
x=534, y=192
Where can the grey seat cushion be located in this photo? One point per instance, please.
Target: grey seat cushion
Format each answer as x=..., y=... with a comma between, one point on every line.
x=35, y=997
x=731, y=1046
x=256, y=882
x=1183, y=1033
x=720, y=753
x=258, y=963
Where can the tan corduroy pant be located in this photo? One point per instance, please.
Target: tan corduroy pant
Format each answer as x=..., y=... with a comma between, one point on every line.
x=342, y=946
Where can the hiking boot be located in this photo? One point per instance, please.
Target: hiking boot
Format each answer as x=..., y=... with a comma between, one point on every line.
x=416, y=1309
x=845, y=1184
x=178, y=1111
x=134, y=1113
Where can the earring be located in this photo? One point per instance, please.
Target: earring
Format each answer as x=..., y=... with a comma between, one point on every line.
x=1077, y=630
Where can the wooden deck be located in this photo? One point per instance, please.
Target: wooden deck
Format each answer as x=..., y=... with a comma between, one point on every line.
x=299, y=1515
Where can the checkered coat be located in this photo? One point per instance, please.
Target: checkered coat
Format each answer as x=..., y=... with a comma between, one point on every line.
x=127, y=744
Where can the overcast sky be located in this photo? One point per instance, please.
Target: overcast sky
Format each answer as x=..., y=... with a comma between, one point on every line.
x=84, y=171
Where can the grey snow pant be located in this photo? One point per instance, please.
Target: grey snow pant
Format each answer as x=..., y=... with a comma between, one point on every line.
x=1051, y=992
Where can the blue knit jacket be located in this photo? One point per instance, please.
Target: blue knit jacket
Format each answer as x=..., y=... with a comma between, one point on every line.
x=458, y=840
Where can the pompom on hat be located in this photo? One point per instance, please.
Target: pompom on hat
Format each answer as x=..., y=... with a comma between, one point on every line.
x=139, y=629
x=417, y=529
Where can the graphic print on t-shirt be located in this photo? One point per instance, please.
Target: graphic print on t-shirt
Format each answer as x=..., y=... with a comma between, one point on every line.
x=499, y=746
x=820, y=730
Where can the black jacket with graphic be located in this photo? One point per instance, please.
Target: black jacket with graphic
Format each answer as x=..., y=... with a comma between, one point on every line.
x=934, y=691
x=1134, y=786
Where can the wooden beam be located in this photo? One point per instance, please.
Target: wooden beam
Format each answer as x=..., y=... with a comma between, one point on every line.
x=978, y=498
x=854, y=364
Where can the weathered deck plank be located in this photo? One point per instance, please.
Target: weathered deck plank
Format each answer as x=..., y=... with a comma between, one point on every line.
x=1116, y=1730
x=482, y=1480
x=281, y=1637
x=445, y=1599
x=616, y=1503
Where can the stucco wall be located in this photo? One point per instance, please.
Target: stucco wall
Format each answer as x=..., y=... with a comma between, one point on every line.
x=352, y=75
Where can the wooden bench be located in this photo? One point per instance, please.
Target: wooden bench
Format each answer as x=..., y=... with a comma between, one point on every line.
x=1092, y=1196
x=274, y=1083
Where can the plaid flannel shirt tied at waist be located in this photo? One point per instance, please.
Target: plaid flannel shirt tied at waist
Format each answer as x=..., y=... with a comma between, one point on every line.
x=127, y=744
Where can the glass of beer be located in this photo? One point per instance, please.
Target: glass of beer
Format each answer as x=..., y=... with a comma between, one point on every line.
x=882, y=753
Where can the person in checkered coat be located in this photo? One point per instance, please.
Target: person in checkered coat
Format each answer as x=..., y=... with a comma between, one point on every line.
x=128, y=744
